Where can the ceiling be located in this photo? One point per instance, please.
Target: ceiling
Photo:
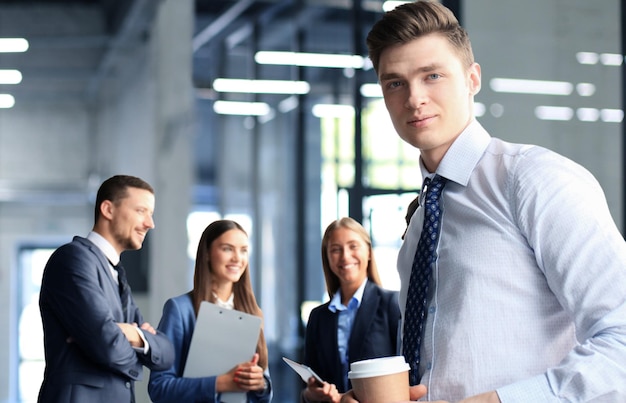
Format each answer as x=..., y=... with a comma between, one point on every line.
x=76, y=44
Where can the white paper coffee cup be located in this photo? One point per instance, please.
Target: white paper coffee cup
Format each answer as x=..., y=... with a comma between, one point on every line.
x=380, y=380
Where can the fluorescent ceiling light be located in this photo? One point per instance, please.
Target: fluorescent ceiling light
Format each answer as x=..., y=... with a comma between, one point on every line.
x=241, y=108
x=587, y=114
x=554, y=113
x=6, y=101
x=333, y=111
x=479, y=109
x=520, y=86
x=371, y=91
x=13, y=45
x=612, y=115
x=587, y=57
x=390, y=5
x=10, y=77
x=585, y=89
x=288, y=104
x=496, y=110
x=611, y=59
x=310, y=59
x=261, y=86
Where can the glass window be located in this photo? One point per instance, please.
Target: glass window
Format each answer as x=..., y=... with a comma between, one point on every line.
x=30, y=338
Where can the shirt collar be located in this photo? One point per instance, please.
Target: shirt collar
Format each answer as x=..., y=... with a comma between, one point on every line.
x=463, y=155
x=228, y=304
x=336, y=305
x=106, y=247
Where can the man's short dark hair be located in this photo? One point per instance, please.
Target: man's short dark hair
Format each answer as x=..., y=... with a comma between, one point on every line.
x=115, y=189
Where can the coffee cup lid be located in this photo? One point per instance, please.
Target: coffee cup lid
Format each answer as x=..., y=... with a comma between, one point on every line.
x=378, y=367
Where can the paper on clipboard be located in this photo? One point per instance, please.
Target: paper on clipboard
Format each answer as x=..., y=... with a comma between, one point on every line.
x=221, y=339
x=304, y=371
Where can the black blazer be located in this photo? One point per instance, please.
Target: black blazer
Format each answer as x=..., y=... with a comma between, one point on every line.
x=88, y=358
x=374, y=334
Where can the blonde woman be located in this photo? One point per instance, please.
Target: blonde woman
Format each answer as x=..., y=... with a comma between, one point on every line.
x=360, y=321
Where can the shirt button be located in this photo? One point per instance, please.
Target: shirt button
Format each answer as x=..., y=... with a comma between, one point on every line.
x=127, y=384
x=431, y=309
x=429, y=366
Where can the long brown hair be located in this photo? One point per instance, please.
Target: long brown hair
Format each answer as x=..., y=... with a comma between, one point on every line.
x=332, y=281
x=244, y=299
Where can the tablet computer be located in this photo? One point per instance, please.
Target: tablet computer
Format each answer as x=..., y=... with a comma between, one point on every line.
x=304, y=371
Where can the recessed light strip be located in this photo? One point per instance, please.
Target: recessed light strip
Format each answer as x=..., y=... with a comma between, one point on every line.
x=391, y=4
x=10, y=76
x=520, y=86
x=310, y=59
x=261, y=86
x=333, y=111
x=6, y=101
x=241, y=108
x=13, y=45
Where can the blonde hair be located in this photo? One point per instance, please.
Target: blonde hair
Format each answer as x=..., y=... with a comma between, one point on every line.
x=332, y=281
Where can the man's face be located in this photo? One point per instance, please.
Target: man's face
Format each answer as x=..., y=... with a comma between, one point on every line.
x=131, y=219
x=428, y=93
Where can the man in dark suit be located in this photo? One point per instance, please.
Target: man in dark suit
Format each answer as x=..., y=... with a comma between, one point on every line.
x=95, y=338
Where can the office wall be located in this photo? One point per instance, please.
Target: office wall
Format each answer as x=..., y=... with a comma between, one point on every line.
x=540, y=40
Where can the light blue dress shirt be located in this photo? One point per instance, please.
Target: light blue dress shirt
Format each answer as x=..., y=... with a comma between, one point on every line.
x=528, y=296
x=345, y=321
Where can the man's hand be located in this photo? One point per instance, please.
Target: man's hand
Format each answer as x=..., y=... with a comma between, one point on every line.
x=130, y=331
x=147, y=327
x=415, y=393
x=489, y=397
x=418, y=391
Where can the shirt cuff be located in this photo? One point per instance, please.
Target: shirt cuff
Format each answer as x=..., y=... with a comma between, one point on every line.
x=146, y=346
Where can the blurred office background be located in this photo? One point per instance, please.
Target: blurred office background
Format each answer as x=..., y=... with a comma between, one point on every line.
x=135, y=86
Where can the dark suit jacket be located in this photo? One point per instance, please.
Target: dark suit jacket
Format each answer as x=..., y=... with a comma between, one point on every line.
x=88, y=358
x=374, y=334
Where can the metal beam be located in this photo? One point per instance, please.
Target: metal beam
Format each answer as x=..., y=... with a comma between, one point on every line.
x=220, y=24
x=136, y=24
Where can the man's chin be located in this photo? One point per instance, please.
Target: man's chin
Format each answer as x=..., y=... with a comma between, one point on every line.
x=134, y=245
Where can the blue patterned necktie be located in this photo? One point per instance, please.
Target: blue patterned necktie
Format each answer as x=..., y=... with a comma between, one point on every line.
x=425, y=257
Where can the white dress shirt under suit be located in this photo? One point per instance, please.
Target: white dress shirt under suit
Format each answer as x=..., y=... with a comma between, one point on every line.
x=528, y=295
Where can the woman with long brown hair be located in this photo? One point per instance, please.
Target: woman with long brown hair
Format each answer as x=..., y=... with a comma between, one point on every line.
x=221, y=277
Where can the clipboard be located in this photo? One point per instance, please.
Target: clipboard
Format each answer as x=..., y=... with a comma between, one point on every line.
x=221, y=339
x=304, y=371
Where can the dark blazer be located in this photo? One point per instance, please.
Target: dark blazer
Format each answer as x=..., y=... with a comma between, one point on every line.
x=88, y=358
x=374, y=334
x=169, y=386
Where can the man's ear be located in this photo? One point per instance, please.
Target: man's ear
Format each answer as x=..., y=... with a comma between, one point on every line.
x=106, y=209
x=474, y=79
